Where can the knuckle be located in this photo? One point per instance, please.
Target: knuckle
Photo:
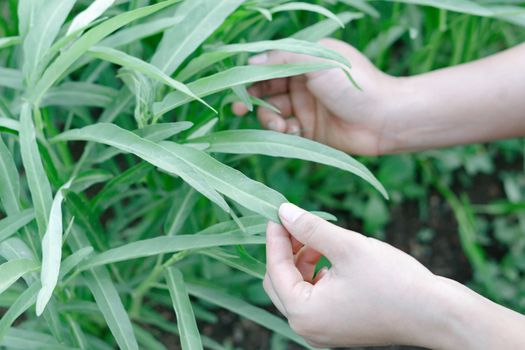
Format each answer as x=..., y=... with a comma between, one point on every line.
x=309, y=226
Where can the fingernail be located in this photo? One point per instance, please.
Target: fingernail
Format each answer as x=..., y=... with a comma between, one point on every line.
x=273, y=126
x=290, y=212
x=259, y=59
x=294, y=130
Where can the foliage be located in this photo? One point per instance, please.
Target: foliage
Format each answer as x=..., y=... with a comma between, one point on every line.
x=100, y=237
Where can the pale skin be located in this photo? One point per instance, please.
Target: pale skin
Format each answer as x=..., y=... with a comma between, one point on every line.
x=373, y=293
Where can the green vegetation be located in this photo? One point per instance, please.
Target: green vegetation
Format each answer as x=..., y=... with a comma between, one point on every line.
x=128, y=187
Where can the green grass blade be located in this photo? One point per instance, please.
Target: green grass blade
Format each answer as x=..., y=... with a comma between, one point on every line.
x=149, y=70
x=9, y=124
x=461, y=6
x=289, y=146
x=74, y=260
x=10, y=225
x=9, y=41
x=246, y=310
x=11, y=78
x=326, y=28
x=201, y=19
x=43, y=31
x=237, y=76
x=51, y=252
x=12, y=270
x=36, y=176
x=189, y=333
x=362, y=5
x=85, y=42
x=21, y=304
x=9, y=180
x=84, y=18
x=289, y=45
x=164, y=245
x=149, y=151
x=230, y=182
x=107, y=298
x=75, y=94
x=303, y=6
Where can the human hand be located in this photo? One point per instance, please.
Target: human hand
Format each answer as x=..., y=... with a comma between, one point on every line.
x=373, y=294
x=326, y=106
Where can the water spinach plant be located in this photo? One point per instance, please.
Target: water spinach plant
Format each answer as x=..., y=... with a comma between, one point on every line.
x=118, y=197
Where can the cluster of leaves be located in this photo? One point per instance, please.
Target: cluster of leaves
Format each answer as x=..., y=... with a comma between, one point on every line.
x=95, y=239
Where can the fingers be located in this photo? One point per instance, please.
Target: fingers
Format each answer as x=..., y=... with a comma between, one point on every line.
x=287, y=281
x=328, y=239
x=306, y=260
x=274, y=121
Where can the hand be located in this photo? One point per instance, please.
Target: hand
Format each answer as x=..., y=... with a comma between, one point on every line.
x=326, y=106
x=373, y=294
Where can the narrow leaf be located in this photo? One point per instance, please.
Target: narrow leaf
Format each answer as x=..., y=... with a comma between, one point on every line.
x=303, y=6
x=36, y=176
x=9, y=180
x=14, y=222
x=44, y=30
x=201, y=19
x=85, y=42
x=230, y=182
x=12, y=270
x=290, y=45
x=237, y=76
x=136, y=64
x=21, y=304
x=326, y=28
x=163, y=245
x=151, y=152
x=84, y=18
x=188, y=331
x=51, y=252
x=289, y=146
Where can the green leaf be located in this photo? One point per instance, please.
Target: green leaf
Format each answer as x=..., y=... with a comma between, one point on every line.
x=23, y=339
x=9, y=41
x=12, y=270
x=73, y=94
x=22, y=303
x=36, y=176
x=106, y=296
x=462, y=6
x=151, y=152
x=14, y=222
x=163, y=245
x=11, y=78
x=43, y=31
x=9, y=180
x=230, y=182
x=10, y=124
x=284, y=145
x=201, y=19
x=246, y=310
x=289, y=45
x=74, y=260
x=303, y=6
x=325, y=28
x=85, y=42
x=237, y=76
x=188, y=331
x=84, y=18
x=362, y=5
x=138, y=65
x=51, y=252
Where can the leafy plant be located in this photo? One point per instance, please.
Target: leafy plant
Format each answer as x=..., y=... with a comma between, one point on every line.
x=120, y=199
x=94, y=252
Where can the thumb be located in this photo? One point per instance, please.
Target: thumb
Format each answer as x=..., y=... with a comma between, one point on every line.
x=328, y=239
